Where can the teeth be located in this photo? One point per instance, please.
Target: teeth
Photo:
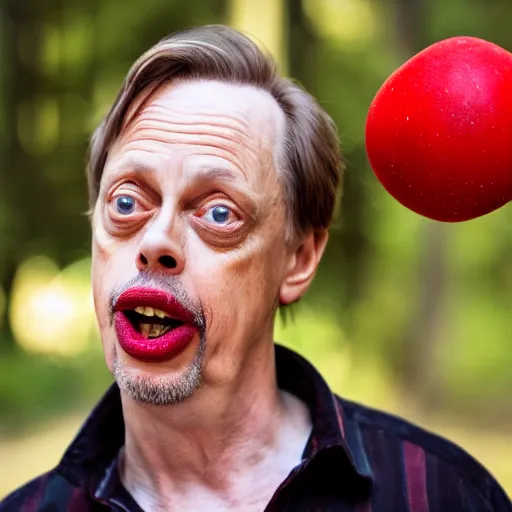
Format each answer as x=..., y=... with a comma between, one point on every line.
x=158, y=330
x=145, y=329
x=153, y=330
x=148, y=311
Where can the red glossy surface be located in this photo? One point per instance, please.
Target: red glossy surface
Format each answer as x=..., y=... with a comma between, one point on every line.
x=439, y=131
x=152, y=349
x=164, y=347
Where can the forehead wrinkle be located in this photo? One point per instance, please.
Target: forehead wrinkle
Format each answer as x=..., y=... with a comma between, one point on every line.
x=171, y=98
x=205, y=128
x=232, y=122
x=202, y=149
x=229, y=127
x=242, y=131
x=167, y=133
x=151, y=129
x=165, y=136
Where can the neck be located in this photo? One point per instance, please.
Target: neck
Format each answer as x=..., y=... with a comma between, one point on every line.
x=222, y=431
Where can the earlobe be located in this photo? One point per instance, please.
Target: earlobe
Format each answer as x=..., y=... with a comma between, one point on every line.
x=303, y=267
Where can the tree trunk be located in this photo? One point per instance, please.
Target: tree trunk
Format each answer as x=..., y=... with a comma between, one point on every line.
x=23, y=194
x=8, y=275
x=416, y=364
x=301, y=44
x=8, y=147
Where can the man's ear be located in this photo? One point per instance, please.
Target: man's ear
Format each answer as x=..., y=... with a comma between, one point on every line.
x=303, y=265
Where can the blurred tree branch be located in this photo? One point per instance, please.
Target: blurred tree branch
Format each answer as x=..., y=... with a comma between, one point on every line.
x=309, y=55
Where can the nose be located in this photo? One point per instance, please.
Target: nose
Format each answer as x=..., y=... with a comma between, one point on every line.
x=160, y=249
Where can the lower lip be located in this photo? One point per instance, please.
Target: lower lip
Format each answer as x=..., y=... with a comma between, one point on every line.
x=162, y=348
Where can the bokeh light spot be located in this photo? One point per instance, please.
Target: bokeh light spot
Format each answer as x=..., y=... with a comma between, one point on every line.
x=52, y=310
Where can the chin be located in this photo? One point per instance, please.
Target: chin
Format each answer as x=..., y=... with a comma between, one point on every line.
x=159, y=383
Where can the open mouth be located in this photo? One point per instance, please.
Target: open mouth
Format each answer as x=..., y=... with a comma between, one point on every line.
x=152, y=325
x=151, y=322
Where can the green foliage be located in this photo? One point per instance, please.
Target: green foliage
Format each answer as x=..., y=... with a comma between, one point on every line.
x=35, y=388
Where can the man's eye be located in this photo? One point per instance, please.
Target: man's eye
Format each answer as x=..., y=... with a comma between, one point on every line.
x=124, y=205
x=218, y=214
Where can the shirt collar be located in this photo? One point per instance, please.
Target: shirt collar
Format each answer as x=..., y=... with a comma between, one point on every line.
x=330, y=428
x=102, y=435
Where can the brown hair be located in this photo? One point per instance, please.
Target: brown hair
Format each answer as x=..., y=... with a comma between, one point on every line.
x=310, y=159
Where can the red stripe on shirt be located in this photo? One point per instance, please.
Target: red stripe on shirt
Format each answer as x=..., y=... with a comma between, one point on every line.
x=415, y=474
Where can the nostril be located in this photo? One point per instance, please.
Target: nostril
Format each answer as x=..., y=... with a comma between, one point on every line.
x=143, y=259
x=167, y=262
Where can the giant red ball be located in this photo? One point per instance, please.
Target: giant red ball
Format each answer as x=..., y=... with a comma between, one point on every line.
x=439, y=130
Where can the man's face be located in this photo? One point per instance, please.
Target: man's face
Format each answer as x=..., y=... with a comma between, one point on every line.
x=190, y=222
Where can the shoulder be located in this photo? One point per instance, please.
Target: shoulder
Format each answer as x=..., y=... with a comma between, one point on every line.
x=443, y=470
x=49, y=491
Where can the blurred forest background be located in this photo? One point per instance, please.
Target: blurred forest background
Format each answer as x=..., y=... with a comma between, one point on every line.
x=406, y=314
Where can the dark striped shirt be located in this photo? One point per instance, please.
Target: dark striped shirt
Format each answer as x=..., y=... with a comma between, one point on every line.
x=357, y=459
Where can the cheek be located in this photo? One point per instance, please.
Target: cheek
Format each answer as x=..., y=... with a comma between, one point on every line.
x=100, y=286
x=241, y=283
x=100, y=290
x=111, y=267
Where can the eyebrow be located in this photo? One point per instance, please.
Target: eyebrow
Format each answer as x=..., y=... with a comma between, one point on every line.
x=217, y=174
x=235, y=179
x=206, y=174
x=135, y=166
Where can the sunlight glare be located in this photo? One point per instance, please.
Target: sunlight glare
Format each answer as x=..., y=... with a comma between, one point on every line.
x=348, y=22
x=51, y=311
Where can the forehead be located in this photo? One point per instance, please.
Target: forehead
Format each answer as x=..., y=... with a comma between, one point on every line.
x=239, y=123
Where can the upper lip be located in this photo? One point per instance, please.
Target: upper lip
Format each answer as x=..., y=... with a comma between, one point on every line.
x=155, y=298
